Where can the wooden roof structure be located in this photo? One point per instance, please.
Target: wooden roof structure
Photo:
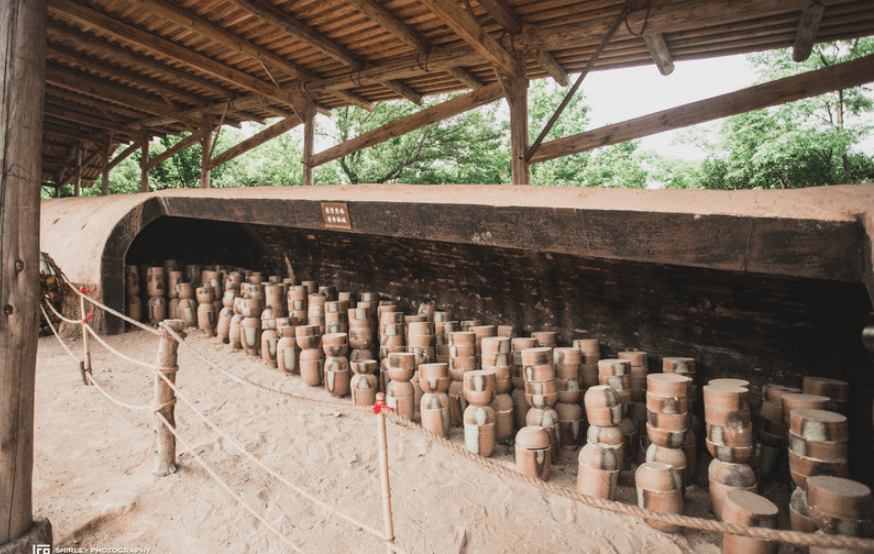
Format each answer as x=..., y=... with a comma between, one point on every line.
x=119, y=71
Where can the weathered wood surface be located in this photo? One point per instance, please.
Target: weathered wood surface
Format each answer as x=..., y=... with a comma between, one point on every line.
x=808, y=28
x=517, y=97
x=145, y=140
x=152, y=163
x=410, y=123
x=165, y=400
x=661, y=54
x=309, y=129
x=256, y=140
x=22, y=76
x=781, y=91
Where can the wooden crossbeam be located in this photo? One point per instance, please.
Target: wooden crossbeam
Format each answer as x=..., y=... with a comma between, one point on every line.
x=450, y=108
x=123, y=155
x=658, y=49
x=465, y=26
x=464, y=77
x=813, y=83
x=404, y=91
x=555, y=70
x=808, y=28
x=173, y=150
x=256, y=140
x=74, y=80
x=131, y=34
x=55, y=92
x=503, y=14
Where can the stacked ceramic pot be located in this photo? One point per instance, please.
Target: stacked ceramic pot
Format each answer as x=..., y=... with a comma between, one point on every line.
x=297, y=304
x=659, y=488
x=174, y=278
x=337, y=316
x=442, y=330
x=399, y=392
x=749, y=509
x=462, y=358
x=312, y=287
x=548, y=339
x=420, y=343
x=361, y=333
x=467, y=324
x=616, y=373
x=133, y=304
x=276, y=298
x=234, y=325
x=287, y=351
x=337, y=374
x=496, y=358
x=185, y=303
x=329, y=292
x=250, y=325
x=840, y=507
x=541, y=393
x=193, y=273
x=434, y=381
x=838, y=392
x=364, y=384
x=600, y=460
x=667, y=413
x=206, y=314
x=223, y=320
x=533, y=452
x=311, y=360
x=520, y=405
x=570, y=413
x=509, y=331
x=316, y=311
x=479, y=417
x=818, y=445
x=156, y=289
x=590, y=350
x=480, y=332
x=771, y=430
x=729, y=440
x=637, y=408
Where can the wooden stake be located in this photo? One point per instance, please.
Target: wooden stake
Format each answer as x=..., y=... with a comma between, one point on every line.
x=86, y=345
x=165, y=400
x=383, y=474
x=22, y=78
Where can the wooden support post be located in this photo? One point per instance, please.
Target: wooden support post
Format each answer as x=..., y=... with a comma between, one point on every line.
x=517, y=91
x=22, y=78
x=77, y=180
x=383, y=473
x=104, y=184
x=309, y=120
x=165, y=399
x=86, y=344
x=205, y=151
x=57, y=192
x=144, y=162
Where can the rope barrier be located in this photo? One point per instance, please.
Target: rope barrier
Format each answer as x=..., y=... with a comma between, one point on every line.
x=227, y=487
x=57, y=313
x=119, y=354
x=52, y=327
x=115, y=400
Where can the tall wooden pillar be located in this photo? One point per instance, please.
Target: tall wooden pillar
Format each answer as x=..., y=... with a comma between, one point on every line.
x=104, y=184
x=206, y=151
x=144, y=160
x=309, y=120
x=77, y=180
x=22, y=76
x=517, y=90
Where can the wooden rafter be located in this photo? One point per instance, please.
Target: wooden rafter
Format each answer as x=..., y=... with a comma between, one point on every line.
x=64, y=114
x=658, y=49
x=256, y=140
x=123, y=155
x=173, y=150
x=156, y=43
x=813, y=83
x=551, y=66
x=808, y=28
x=465, y=26
x=450, y=108
x=56, y=92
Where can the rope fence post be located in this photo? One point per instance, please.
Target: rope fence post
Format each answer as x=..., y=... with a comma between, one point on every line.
x=85, y=364
x=165, y=400
x=383, y=474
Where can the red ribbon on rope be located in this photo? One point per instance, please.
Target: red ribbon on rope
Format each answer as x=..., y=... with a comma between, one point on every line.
x=86, y=291
x=379, y=405
x=87, y=319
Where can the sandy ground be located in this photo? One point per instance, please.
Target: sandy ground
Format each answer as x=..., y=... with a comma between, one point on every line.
x=94, y=462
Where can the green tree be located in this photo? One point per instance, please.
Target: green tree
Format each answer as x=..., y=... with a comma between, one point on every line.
x=805, y=143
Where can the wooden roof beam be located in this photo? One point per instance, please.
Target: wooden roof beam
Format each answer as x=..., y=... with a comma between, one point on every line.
x=74, y=80
x=808, y=28
x=399, y=29
x=552, y=67
x=813, y=83
x=56, y=92
x=404, y=125
x=173, y=150
x=255, y=140
x=404, y=91
x=65, y=114
x=465, y=26
x=658, y=49
x=158, y=44
x=196, y=24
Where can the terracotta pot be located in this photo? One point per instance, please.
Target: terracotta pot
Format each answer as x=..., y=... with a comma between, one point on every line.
x=729, y=454
x=570, y=425
x=568, y=390
x=363, y=387
x=479, y=387
x=250, y=335
x=311, y=365
x=234, y=331
x=803, y=467
x=614, y=367
x=726, y=476
x=308, y=337
x=802, y=402
x=337, y=376
x=457, y=402
x=566, y=355
x=479, y=430
x=504, y=424
x=681, y=365
x=520, y=408
x=731, y=436
x=589, y=375
x=541, y=372
x=538, y=356
x=134, y=308
x=588, y=348
x=726, y=397
x=840, y=498
x=799, y=515
x=746, y=508
x=287, y=354
x=674, y=457
x=434, y=410
x=363, y=366
x=668, y=385
x=269, y=341
x=819, y=425
x=533, y=452
x=518, y=344
x=157, y=307
x=400, y=395
x=668, y=422
x=599, y=483
x=548, y=419
x=822, y=450
x=667, y=439
x=545, y=338
x=659, y=488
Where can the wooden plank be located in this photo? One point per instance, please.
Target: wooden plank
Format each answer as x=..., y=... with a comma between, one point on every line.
x=74, y=80
x=551, y=66
x=66, y=115
x=404, y=91
x=813, y=83
x=808, y=28
x=390, y=23
x=503, y=14
x=461, y=104
x=130, y=34
x=256, y=140
x=22, y=77
x=173, y=150
x=123, y=155
x=53, y=92
x=658, y=49
x=465, y=26
x=464, y=77
x=295, y=28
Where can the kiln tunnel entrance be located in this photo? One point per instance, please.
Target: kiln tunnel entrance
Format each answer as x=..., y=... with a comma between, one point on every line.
x=763, y=328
